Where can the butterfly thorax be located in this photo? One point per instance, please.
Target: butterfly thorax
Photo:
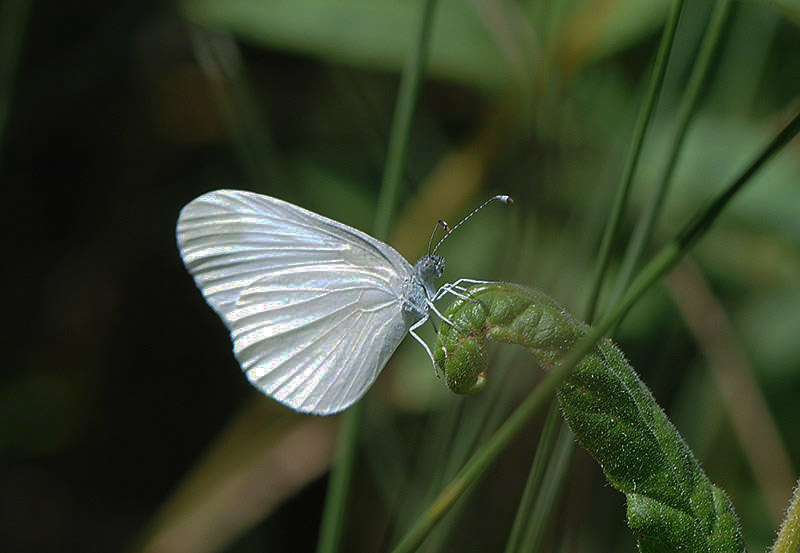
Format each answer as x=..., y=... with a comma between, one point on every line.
x=421, y=286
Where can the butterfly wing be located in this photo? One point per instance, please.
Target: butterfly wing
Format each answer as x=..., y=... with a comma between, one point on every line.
x=314, y=307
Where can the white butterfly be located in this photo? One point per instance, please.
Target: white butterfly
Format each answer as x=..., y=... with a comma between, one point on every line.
x=315, y=308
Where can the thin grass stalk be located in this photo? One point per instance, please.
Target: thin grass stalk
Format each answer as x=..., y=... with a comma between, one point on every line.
x=388, y=460
x=665, y=260
x=705, y=217
x=220, y=59
x=644, y=227
x=401, y=123
x=476, y=425
x=454, y=440
x=551, y=486
x=430, y=473
x=333, y=511
x=341, y=472
x=642, y=122
x=543, y=450
x=14, y=16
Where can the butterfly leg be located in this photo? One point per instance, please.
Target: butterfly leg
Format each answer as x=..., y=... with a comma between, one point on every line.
x=411, y=330
x=459, y=291
x=456, y=285
x=455, y=290
x=441, y=315
x=471, y=281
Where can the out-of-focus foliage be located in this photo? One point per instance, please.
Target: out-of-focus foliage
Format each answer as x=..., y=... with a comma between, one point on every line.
x=485, y=44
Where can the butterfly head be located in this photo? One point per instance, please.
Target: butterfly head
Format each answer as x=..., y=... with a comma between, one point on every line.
x=429, y=268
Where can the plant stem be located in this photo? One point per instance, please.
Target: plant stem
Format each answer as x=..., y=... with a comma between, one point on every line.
x=642, y=122
x=788, y=540
x=657, y=268
x=341, y=472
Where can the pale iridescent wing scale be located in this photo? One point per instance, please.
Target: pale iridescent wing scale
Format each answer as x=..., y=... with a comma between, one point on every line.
x=314, y=307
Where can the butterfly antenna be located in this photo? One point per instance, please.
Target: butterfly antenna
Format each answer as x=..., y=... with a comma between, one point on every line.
x=499, y=198
x=441, y=224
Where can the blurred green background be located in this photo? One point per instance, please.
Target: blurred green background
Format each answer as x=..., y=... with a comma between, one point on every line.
x=125, y=423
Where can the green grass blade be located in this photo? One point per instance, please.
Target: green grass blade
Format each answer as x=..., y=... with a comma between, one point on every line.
x=551, y=487
x=401, y=123
x=14, y=16
x=644, y=227
x=220, y=59
x=543, y=451
x=333, y=511
x=705, y=217
x=642, y=122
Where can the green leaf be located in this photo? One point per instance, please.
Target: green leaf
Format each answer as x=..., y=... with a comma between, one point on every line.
x=672, y=504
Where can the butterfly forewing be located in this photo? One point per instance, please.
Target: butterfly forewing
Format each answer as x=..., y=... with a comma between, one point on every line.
x=314, y=307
